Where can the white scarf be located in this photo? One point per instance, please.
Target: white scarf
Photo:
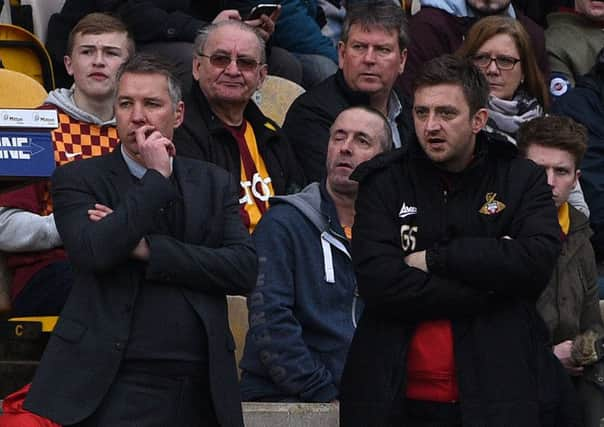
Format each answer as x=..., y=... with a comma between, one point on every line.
x=507, y=115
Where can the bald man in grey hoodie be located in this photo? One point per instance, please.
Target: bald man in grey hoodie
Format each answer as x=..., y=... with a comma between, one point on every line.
x=41, y=275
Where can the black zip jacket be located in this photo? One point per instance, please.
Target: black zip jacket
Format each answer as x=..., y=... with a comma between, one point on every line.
x=311, y=115
x=481, y=280
x=203, y=136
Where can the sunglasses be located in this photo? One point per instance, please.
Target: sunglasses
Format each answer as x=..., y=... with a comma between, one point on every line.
x=222, y=61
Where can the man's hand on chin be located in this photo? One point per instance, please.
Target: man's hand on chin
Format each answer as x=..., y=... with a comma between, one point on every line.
x=155, y=149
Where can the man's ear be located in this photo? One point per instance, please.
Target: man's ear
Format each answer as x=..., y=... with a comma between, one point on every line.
x=479, y=120
x=67, y=62
x=403, y=61
x=262, y=72
x=341, y=53
x=179, y=114
x=577, y=176
x=195, y=67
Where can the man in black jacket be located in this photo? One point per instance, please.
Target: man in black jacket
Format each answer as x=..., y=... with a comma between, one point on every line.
x=156, y=244
x=372, y=54
x=453, y=243
x=223, y=126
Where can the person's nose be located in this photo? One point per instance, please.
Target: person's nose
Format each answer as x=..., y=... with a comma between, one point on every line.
x=432, y=123
x=369, y=55
x=98, y=58
x=492, y=68
x=346, y=147
x=232, y=68
x=138, y=115
x=550, y=177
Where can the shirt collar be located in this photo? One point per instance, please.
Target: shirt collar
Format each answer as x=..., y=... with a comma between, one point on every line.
x=394, y=110
x=135, y=168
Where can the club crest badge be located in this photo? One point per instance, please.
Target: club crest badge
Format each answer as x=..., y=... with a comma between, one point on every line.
x=492, y=206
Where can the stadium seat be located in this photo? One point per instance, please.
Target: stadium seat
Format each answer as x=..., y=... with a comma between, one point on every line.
x=5, y=281
x=22, y=51
x=23, y=339
x=22, y=342
x=18, y=90
x=238, y=322
x=275, y=96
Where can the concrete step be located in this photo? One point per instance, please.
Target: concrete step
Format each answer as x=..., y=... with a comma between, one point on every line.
x=261, y=414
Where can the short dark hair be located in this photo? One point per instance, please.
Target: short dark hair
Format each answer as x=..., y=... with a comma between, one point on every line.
x=99, y=23
x=146, y=63
x=450, y=69
x=377, y=13
x=559, y=132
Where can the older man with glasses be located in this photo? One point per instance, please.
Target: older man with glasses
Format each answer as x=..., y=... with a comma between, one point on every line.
x=222, y=126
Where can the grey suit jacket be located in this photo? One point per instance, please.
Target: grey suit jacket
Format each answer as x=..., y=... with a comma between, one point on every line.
x=216, y=258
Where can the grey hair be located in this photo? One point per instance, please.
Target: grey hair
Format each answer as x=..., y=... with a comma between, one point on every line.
x=204, y=34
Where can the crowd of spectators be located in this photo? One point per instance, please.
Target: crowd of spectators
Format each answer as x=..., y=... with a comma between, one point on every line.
x=449, y=100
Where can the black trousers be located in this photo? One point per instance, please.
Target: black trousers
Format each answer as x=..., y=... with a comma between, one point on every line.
x=138, y=399
x=419, y=413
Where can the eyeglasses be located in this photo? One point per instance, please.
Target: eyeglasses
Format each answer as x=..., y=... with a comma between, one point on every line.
x=502, y=62
x=222, y=61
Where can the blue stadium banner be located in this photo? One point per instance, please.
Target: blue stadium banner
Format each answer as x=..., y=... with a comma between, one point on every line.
x=26, y=153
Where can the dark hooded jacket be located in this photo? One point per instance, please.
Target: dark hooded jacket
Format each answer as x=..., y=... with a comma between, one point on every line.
x=585, y=104
x=307, y=299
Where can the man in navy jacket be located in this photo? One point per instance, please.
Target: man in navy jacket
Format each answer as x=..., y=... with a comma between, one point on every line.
x=305, y=307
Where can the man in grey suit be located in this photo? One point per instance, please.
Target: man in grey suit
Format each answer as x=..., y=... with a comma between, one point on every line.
x=156, y=243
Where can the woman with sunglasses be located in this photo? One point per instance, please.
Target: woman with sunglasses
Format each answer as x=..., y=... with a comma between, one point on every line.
x=501, y=48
